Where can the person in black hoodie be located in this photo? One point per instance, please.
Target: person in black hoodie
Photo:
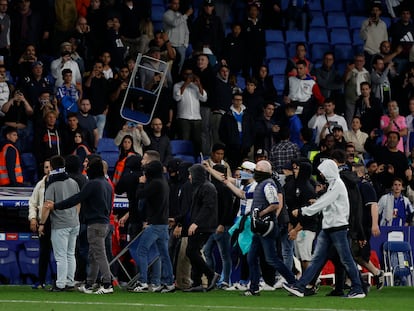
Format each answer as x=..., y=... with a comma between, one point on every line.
x=203, y=218
x=153, y=188
x=221, y=237
x=299, y=189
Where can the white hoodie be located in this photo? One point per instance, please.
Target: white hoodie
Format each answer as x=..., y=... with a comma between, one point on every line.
x=334, y=203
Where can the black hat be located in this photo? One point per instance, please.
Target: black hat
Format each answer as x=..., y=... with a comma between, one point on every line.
x=337, y=127
x=173, y=164
x=208, y=3
x=261, y=153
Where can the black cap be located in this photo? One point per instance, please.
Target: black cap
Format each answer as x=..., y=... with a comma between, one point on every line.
x=208, y=3
x=337, y=127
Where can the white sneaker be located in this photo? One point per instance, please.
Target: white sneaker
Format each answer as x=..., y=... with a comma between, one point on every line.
x=279, y=283
x=156, y=288
x=237, y=287
x=86, y=290
x=168, y=289
x=102, y=290
x=264, y=286
x=141, y=288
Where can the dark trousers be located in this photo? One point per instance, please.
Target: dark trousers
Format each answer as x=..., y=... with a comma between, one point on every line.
x=45, y=247
x=198, y=264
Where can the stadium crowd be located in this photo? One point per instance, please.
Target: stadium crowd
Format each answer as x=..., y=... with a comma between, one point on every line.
x=65, y=70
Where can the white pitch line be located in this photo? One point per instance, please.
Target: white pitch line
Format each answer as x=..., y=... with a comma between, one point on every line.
x=136, y=304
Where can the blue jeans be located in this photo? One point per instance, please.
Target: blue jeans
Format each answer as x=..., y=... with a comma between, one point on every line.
x=155, y=234
x=339, y=240
x=64, y=244
x=100, y=123
x=268, y=245
x=287, y=247
x=223, y=244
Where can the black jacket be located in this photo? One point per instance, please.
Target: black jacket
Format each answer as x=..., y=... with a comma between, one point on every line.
x=204, y=210
x=156, y=194
x=229, y=134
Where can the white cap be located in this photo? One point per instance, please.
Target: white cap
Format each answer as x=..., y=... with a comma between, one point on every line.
x=248, y=166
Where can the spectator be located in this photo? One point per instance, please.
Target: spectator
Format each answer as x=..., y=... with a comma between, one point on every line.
x=252, y=99
x=381, y=85
x=27, y=60
x=266, y=129
x=326, y=146
x=295, y=125
x=234, y=49
x=265, y=86
x=409, y=120
x=45, y=103
x=131, y=15
x=298, y=15
x=5, y=26
x=68, y=94
x=401, y=33
x=373, y=32
x=118, y=87
x=175, y=25
x=4, y=89
x=329, y=79
x=307, y=142
x=356, y=137
x=82, y=37
x=113, y=41
x=326, y=119
x=394, y=122
x=394, y=208
x=220, y=101
x=107, y=71
x=254, y=35
x=69, y=131
x=217, y=157
x=338, y=133
x=81, y=149
x=189, y=93
x=208, y=29
x=394, y=161
x=96, y=17
x=97, y=91
x=291, y=66
x=47, y=140
x=65, y=19
x=159, y=141
x=237, y=131
x=303, y=91
x=284, y=151
x=272, y=14
x=11, y=174
x=88, y=122
x=139, y=136
x=355, y=74
x=17, y=112
x=368, y=108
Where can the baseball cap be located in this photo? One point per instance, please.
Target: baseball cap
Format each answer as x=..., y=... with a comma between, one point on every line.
x=248, y=166
x=38, y=63
x=208, y=3
x=261, y=153
x=338, y=127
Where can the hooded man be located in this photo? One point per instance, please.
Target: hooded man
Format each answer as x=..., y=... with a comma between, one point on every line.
x=334, y=205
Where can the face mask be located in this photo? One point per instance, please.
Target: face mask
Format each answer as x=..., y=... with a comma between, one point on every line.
x=259, y=176
x=245, y=175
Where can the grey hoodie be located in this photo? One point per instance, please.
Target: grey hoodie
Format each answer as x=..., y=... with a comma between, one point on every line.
x=334, y=203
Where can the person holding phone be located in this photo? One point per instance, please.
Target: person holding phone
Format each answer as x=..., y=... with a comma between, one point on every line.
x=140, y=137
x=373, y=32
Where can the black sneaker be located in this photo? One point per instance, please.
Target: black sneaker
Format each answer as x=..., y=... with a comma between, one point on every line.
x=336, y=293
x=379, y=280
x=291, y=288
x=250, y=292
x=213, y=282
x=56, y=289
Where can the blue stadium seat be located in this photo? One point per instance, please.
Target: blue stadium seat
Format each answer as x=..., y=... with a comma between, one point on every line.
x=355, y=22
x=9, y=268
x=333, y=6
x=318, y=35
x=157, y=13
x=279, y=83
x=315, y=5
x=356, y=7
x=318, y=20
x=274, y=36
x=29, y=168
x=107, y=144
x=277, y=67
x=344, y=52
x=340, y=36
x=295, y=36
x=337, y=20
x=387, y=20
x=358, y=48
x=356, y=37
x=29, y=262
x=241, y=82
x=291, y=49
x=318, y=50
x=275, y=51
x=183, y=147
